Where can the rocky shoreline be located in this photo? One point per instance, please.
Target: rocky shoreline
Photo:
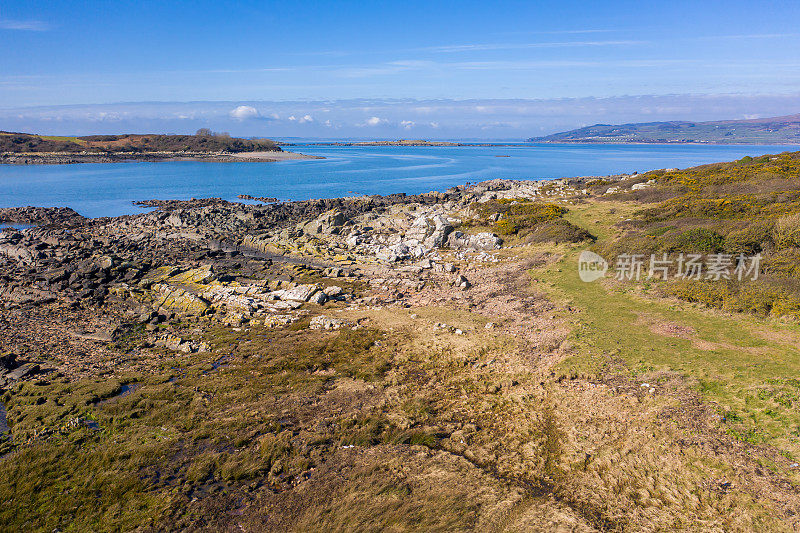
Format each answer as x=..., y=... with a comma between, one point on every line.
x=219, y=261
x=252, y=360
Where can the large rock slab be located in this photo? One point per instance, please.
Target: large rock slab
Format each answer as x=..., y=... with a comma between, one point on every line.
x=480, y=241
x=303, y=293
x=431, y=232
x=326, y=322
x=179, y=300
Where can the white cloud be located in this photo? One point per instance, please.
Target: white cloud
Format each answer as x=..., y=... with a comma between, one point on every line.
x=302, y=120
x=244, y=112
x=375, y=121
x=407, y=124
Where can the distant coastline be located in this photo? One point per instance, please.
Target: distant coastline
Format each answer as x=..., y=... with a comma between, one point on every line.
x=205, y=146
x=672, y=143
x=530, y=142
x=399, y=143
x=761, y=131
x=67, y=158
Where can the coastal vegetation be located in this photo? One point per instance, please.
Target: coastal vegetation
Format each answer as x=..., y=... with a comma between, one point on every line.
x=742, y=208
x=204, y=141
x=531, y=221
x=381, y=363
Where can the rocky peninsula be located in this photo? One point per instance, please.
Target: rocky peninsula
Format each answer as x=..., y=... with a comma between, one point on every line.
x=205, y=146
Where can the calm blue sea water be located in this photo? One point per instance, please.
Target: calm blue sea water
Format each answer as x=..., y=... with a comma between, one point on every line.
x=108, y=189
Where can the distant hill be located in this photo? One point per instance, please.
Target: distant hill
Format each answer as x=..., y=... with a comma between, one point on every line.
x=775, y=130
x=203, y=141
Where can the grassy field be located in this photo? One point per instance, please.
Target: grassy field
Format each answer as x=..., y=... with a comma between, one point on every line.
x=743, y=364
x=63, y=139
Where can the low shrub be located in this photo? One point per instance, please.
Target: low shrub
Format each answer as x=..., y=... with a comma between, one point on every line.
x=558, y=231
x=762, y=297
x=505, y=227
x=787, y=231
x=695, y=240
x=659, y=231
x=754, y=238
x=509, y=216
x=708, y=293
x=783, y=263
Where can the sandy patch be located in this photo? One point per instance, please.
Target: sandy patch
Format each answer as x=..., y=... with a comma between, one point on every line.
x=666, y=328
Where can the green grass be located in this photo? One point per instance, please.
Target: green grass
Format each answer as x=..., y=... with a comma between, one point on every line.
x=62, y=138
x=187, y=429
x=741, y=362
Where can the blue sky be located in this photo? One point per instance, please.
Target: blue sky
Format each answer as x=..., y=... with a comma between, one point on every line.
x=265, y=60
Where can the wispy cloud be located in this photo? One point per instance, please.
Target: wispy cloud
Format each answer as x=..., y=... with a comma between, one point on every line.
x=558, y=32
x=396, y=67
x=392, y=67
x=391, y=118
x=745, y=36
x=524, y=46
x=529, y=65
x=567, y=32
x=487, y=46
x=24, y=25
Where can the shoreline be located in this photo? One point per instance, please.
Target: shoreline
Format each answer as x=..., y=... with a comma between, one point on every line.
x=526, y=143
x=69, y=158
x=38, y=215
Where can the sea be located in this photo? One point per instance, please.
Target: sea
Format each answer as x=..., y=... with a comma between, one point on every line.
x=97, y=189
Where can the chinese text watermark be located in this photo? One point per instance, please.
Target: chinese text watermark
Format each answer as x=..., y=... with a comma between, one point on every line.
x=636, y=267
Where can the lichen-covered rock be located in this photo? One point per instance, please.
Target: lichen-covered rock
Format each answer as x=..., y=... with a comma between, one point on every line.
x=105, y=261
x=280, y=305
x=302, y=293
x=480, y=241
x=332, y=291
x=200, y=275
x=280, y=320
x=178, y=299
x=177, y=344
x=17, y=252
x=318, y=298
x=430, y=232
x=326, y=322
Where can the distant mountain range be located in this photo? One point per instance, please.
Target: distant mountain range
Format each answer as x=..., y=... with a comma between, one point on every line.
x=775, y=130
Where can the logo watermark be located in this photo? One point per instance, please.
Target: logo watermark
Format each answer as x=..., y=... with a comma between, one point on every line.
x=636, y=267
x=591, y=266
